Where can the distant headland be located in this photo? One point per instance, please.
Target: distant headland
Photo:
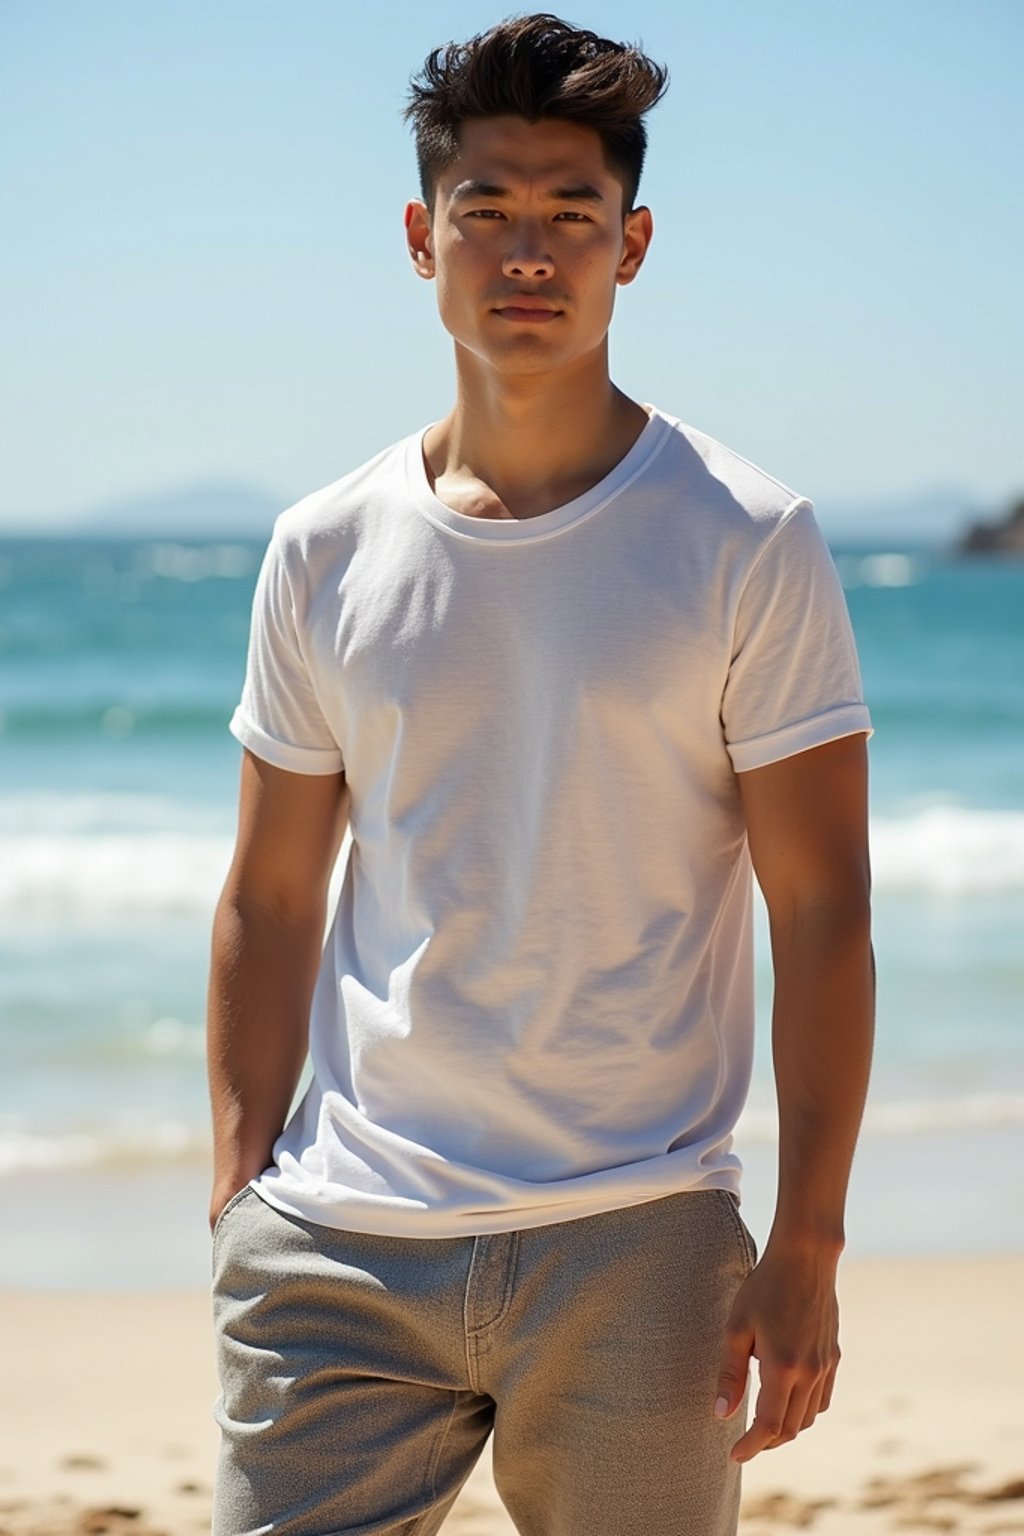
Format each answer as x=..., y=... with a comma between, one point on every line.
x=1005, y=536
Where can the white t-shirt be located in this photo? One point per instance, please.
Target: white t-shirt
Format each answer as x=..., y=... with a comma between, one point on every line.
x=536, y=998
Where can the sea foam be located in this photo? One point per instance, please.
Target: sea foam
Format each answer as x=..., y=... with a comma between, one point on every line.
x=950, y=850
x=128, y=1142
x=133, y=856
x=910, y=1117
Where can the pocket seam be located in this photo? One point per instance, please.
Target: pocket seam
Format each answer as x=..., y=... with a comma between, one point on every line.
x=236, y=1199
x=746, y=1241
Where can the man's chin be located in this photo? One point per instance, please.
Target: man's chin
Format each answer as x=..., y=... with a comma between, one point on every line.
x=520, y=355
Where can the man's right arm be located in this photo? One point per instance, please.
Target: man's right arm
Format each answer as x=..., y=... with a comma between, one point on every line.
x=267, y=941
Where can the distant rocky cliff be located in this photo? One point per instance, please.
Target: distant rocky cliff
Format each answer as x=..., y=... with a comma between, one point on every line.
x=1003, y=537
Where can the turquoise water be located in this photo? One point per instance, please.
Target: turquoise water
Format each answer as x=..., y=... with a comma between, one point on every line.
x=120, y=663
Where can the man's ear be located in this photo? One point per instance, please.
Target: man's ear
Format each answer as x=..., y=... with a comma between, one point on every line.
x=636, y=238
x=419, y=238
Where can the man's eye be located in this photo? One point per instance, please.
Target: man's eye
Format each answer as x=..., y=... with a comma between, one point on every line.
x=573, y=215
x=484, y=213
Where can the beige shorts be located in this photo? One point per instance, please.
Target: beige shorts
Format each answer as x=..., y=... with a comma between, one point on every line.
x=362, y=1376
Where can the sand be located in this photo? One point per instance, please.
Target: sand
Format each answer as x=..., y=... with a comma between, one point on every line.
x=105, y=1420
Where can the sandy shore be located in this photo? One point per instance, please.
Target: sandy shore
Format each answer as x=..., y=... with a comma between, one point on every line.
x=105, y=1420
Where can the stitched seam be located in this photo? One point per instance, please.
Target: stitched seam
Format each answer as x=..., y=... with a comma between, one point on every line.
x=553, y=533
x=738, y=1232
x=236, y=1199
x=439, y=1447
x=510, y=1280
x=784, y=520
x=466, y=1330
x=506, y=1296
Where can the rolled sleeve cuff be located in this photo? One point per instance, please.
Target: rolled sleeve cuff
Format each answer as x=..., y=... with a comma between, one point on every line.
x=282, y=754
x=759, y=751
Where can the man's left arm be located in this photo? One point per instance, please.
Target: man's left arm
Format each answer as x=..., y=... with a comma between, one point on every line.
x=806, y=822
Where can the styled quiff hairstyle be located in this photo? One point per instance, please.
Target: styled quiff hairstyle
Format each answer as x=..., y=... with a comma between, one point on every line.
x=535, y=67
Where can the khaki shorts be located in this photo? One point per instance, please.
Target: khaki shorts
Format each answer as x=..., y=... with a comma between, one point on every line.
x=361, y=1376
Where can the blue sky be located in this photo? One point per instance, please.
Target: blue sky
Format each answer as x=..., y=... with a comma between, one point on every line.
x=204, y=276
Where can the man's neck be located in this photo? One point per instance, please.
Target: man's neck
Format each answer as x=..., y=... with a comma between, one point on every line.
x=514, y=447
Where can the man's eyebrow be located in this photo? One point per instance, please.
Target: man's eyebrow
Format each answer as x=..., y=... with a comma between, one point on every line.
x=469, y=189
x=577, y=192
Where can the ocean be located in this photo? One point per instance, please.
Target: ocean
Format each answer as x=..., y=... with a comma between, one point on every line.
x=120, y=664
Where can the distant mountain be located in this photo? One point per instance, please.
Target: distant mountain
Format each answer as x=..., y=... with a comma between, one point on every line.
x=219, y=510
x=211, y=511
x=931, y=517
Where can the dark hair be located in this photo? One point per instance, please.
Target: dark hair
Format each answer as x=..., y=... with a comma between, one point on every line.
x=535, y=67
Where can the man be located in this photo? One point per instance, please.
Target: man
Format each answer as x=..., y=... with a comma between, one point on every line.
x=564, y=666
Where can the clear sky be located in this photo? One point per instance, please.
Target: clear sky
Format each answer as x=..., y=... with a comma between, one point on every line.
x=203, y=272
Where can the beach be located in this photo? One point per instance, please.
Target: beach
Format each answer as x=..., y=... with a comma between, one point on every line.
x=106, y=1426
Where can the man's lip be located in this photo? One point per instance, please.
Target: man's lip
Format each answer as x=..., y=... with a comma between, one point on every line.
x=524, y=310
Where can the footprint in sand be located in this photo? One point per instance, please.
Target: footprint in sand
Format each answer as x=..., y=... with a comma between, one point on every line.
x=114, y=1520
x=918, y=1490
x=926, y=1523
x=82, y=1461
x=1014, y=1489
x=913, y=1500
x=784, y=1509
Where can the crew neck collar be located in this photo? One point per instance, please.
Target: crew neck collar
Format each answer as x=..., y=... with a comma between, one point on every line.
x=493, y=530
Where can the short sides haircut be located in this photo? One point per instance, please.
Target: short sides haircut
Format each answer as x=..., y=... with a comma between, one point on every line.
x=535, y=67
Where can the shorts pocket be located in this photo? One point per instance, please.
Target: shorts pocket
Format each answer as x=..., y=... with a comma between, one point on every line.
x=236, y=1199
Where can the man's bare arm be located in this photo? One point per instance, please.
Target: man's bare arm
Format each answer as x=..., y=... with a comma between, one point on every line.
x=807, y=828
x=267, y=939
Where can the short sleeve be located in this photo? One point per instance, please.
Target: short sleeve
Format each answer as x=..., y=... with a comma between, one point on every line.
x=279, y=718
x=794, y=679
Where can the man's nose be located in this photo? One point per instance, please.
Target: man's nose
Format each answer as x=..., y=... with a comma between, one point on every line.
x=528, y=258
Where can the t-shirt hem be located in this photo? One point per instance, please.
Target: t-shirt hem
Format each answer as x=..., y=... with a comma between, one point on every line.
x=382, y=1217
x=759, y=751
x=282, y=754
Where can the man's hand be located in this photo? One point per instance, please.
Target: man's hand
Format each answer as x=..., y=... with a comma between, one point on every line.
x=806, y=820
x=785, y=1314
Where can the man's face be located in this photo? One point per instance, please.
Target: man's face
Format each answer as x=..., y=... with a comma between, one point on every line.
x=527, y=243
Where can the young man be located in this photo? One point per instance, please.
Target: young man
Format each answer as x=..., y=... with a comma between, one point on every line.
x=565, y=667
